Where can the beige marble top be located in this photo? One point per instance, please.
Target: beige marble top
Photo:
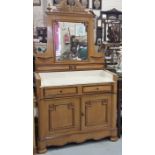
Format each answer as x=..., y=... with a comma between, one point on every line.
x=75, y=77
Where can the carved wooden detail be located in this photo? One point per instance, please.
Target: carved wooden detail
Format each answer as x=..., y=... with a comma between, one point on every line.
x=42, y=60
x=104, y=101
x=52, y=108
x=64, y=6
x=70, y=106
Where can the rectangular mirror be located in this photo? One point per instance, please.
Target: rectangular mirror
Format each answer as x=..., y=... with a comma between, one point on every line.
x=70, y=41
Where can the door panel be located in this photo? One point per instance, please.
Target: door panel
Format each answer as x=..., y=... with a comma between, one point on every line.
x=64, y=115
x=96, y=111
x=61, y=116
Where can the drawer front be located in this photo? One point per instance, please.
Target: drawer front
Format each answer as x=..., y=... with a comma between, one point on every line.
x=52, y=68
x=87, y=89
x=59, y=91
x=89, y=67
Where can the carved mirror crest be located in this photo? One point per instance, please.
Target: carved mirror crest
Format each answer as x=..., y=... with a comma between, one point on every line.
x=70, y=5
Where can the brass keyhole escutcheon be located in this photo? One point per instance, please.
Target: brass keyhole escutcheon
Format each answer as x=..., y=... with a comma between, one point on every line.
x=60, y=91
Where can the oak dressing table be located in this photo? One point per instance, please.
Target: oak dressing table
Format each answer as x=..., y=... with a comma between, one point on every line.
x=76, y=97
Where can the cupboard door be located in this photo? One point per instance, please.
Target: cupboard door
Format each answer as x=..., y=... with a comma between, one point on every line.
x=64, y=115
x=96, y=112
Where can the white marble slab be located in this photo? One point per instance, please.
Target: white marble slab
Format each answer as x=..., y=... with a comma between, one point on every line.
x=75, y=77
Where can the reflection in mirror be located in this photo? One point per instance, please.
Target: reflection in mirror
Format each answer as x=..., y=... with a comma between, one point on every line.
x=70, y=41
x=40, y=39
x=40, y=47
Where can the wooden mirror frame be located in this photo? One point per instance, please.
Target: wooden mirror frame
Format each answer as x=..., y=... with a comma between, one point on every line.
x=45, y=62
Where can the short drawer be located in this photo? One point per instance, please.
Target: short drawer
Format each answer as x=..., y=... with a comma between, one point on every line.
x=59, y=91
x=100, y=88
